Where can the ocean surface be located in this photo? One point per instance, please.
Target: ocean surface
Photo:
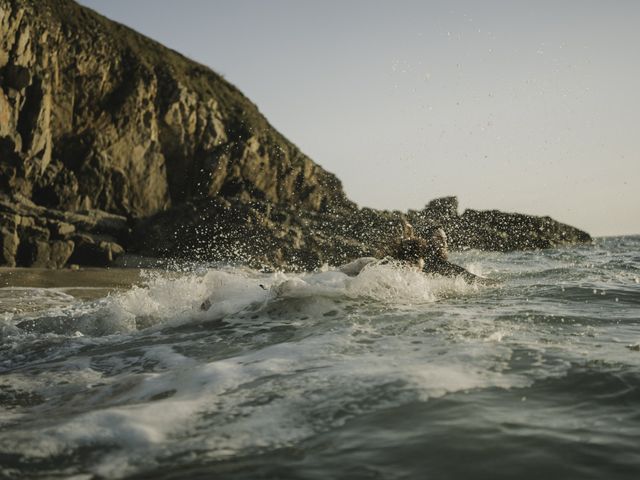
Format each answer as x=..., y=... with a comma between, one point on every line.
x=388, y=375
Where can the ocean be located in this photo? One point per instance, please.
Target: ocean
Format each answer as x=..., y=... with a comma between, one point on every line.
x=388, y=375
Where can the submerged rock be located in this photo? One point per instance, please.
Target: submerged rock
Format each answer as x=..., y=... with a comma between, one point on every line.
x=103, y=129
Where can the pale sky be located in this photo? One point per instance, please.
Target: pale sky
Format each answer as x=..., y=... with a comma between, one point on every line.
x=528, y=106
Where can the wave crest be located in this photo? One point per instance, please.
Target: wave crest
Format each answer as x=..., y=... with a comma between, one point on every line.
x=173, y=299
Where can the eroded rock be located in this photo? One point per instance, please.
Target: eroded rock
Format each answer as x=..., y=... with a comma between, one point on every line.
x=34, y=236
x=103, y=129
x=100, y=117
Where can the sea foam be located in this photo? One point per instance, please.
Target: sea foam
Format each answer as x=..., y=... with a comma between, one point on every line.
x=172, y=299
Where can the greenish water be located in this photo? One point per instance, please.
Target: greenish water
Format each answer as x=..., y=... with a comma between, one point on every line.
x=391, y=374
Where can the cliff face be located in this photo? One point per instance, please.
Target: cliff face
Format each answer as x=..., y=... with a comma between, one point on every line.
x=112, y=142
x=96, y=116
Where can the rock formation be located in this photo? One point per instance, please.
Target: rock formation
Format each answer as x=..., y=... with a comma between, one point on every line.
x=112, y=142
x=262, y=235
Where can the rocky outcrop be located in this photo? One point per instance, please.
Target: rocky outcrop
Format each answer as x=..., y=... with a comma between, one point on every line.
x=96, y=116
x=264, y=235
x=103, y=129
x=34, y=236
x=495, y=230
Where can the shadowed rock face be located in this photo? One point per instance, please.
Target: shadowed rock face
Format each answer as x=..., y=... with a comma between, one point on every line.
x=96, y=116
x=265, y=235
x=97, y=121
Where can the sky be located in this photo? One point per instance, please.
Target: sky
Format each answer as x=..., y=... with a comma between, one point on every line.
x=514, y=105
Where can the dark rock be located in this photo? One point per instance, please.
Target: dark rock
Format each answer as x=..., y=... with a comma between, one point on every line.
x=92, y=251
x=495, y=230
x=61, y=251
x=28, y=230
x=265, y=235
x=103, y=129
x=95, y=222
x=128, y=126
x=15, y=76
x=9, y=242
x=34, y=236
x=43, y=254
x=442, y=208
x=60, y=229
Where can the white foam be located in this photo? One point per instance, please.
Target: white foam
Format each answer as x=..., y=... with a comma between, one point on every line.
x=173, y=299
x=388, y=283
x=264, y=398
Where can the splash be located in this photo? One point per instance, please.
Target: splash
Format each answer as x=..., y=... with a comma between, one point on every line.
x=170, y=299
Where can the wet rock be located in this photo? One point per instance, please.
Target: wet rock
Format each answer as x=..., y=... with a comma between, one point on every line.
x=442, y=209
x=495, y=230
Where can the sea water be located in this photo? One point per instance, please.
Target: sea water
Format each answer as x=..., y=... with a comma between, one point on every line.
x=391, y=374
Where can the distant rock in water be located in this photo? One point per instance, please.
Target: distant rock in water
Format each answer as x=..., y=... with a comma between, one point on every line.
x=101, y=124
x=266, y=235
x=495, y=230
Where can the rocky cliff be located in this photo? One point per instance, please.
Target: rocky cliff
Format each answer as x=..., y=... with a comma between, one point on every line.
x=112, y=142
